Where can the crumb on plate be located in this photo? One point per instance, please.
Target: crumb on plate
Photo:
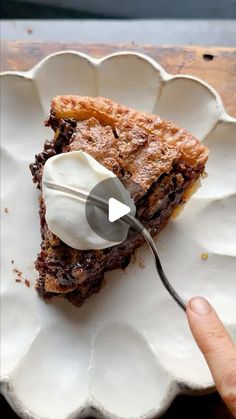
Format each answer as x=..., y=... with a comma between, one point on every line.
x=204, y=255
x=6, y=210
x=204, y=175
x=27, y=283
x=141, y=263
x=19, y=276
x=17, y=272
x=162, y=247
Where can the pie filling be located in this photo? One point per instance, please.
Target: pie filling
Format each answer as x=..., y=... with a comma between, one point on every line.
x=157, y=175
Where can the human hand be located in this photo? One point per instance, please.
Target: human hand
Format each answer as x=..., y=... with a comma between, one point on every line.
x=216, y=346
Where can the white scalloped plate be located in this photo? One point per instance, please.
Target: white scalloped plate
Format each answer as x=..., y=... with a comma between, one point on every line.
x=128, y=351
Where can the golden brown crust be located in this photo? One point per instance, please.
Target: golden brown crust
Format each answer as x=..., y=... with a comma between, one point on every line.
x=111, y=113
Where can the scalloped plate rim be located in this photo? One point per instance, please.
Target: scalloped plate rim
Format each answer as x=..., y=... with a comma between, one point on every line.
x=175, y=388
x=29, y=74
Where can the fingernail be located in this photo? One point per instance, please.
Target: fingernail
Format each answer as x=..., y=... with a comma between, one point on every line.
x=200, y=306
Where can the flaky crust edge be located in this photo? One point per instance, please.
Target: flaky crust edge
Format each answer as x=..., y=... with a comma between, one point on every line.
x=108, y=112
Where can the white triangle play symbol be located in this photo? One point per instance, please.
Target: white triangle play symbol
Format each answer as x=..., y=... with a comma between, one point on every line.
x=116, y=209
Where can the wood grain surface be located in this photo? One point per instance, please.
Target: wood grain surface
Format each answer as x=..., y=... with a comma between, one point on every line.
x=217, y=66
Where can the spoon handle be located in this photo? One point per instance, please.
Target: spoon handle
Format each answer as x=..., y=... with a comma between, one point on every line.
x=134, y=222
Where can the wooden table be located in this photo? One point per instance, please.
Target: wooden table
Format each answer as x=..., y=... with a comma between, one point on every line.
x=217, y=66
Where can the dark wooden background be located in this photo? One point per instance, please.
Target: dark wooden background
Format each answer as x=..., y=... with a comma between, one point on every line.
x=217, y=66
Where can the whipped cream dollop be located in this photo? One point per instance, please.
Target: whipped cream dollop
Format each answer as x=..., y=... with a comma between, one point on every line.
x=66, y=214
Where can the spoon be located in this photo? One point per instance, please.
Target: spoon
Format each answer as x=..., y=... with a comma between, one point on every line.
x=133, y=223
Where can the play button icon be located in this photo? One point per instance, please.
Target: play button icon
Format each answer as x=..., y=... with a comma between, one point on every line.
x=107, y=223
x=116, y=209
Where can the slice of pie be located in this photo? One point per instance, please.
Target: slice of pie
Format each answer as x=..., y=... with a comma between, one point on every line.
x=159, y=163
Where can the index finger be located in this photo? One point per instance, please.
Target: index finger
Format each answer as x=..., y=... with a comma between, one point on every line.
x=217, y=346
